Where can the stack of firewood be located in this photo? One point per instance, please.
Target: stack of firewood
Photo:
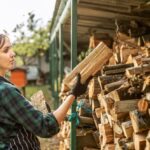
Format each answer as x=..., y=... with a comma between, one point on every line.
x=115, y=113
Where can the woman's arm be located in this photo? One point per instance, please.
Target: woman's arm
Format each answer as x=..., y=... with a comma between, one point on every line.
x=61, y=112
x=77, y=90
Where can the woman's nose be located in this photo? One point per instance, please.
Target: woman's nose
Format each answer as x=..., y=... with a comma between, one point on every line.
x=12, y=53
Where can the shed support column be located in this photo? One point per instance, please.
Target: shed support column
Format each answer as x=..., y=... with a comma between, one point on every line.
x=51, y=58
x=61, y=60
x=73, y=64
x=50, y=66
x=55, y=77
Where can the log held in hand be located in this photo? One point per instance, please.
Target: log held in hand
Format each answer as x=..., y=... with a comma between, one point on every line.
x=90, y=65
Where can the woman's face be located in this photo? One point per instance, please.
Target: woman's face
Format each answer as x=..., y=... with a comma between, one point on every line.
x=6, y=56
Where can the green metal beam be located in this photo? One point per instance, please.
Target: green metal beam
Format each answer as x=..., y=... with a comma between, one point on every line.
x=73, y=64
x=57, y=13
x=61, y=64
x=65, y=14
x=52, y=67
x=55, y=77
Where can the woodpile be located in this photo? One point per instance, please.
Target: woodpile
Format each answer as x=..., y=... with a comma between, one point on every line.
x=115, y=112
x=39, y=102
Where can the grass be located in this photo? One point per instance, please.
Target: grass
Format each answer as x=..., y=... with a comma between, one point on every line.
x=32, y=89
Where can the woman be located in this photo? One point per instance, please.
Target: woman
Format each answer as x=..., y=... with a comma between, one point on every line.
x=20, y=122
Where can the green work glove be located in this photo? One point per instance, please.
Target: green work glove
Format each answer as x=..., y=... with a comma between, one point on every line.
x=79, y=88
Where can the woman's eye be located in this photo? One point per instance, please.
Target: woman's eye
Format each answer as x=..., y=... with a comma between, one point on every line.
x=6, y=50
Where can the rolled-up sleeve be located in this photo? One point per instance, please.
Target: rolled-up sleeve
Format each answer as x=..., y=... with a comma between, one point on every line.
x=22, y=112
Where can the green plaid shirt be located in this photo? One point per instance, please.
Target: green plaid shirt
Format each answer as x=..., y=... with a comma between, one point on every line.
x=16, y=110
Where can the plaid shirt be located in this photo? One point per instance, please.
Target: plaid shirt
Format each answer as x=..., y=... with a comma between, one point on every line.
x=16, y=110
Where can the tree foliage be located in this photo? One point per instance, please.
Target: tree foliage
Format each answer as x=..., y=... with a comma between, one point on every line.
x=31, y=40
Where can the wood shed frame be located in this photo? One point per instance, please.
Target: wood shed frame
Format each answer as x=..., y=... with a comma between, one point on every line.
x=74, y=21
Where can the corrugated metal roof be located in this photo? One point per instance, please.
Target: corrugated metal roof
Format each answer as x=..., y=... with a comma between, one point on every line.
x=57, y=12
x=100, y=17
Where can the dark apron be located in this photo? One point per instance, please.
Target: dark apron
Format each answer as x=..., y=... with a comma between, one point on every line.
x=24, y=140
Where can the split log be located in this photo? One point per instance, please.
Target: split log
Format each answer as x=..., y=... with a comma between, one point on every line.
x=61, y=145
x=90, y=65
x=94, y=88
x=140, y=122
x=38, y=101
x=103, y=140
x=149, y=111
x=103, y=80
x=148, y=96
x=86, y=140
x=118, y=132
x=130, y=146
x=129, y=59
x=125, y=52
x=146, y=84
x=87, y=148
x=148, y=141
x=64, y=88
x=118, y=66
x=145, y=51
x=86, y=121
x=123, y=37
x=116, y=55
x=109, y=147
x=122, y=93
x=127, y=129
x=107, y=103
x=112, y=86
x=104, y=119
x=93, y=42
x=107, y=134
x=96, y=120
x=139, y=141
x=143, y=105
x=67, y=143
x=125, y=106
x=112, y=61
x=146, y=60
x=65, y=129
x=116, y=69
x=99, y=111
x=137, y=70
x=95, y=104
x=96, y=138
x=118, y=116
x=125, y=145
x=84, y=108
x=100, y=131
x=137, y=60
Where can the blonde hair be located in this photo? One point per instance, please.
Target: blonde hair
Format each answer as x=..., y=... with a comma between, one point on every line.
x=2, y=40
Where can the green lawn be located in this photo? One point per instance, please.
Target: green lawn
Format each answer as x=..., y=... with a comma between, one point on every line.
x=31, y=89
